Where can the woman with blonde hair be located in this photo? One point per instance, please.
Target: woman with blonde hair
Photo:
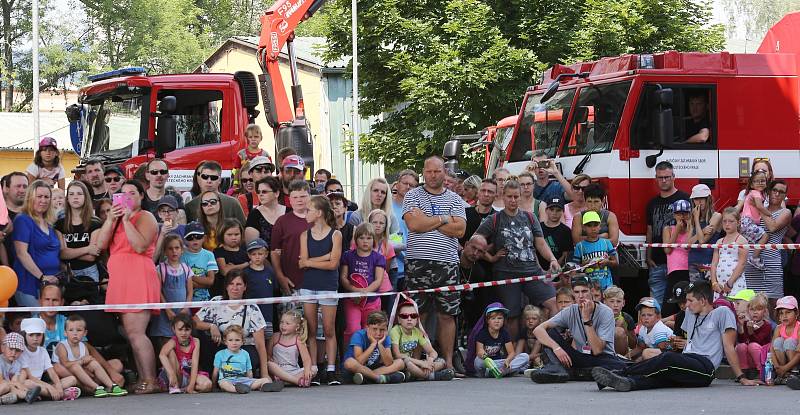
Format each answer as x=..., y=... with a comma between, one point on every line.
x=376, y=196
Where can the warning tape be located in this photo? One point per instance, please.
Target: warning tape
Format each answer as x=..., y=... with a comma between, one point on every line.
x=289, y=299
x=747, y=246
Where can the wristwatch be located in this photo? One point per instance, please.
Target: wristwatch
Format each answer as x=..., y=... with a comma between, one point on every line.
x=588, y=323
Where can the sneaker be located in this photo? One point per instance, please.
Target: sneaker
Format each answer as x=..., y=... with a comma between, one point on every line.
x=174, y=390
x=71, y=393
x=241, y=388
x=274, y=386
x=8, y=399
x=444, y=374
x=33, y=394
x=358, y=379
x=527, y=372
x=100, y=392
x=756, y=262
x=793, y=383
x=117, y=391
x=333, y=379
x=608, y=378
x=551, y=373
x=396, y=377
x=316, y=381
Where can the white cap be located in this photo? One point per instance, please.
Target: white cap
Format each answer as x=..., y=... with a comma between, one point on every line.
x=33, y=325
x=699, y=191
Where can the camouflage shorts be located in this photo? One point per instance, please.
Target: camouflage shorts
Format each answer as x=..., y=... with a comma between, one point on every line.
x=422, y=274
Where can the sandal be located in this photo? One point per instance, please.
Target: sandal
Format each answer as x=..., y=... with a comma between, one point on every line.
x=146, y=387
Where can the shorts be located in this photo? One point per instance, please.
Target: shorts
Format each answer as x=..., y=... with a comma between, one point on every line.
x=89, y=272
x=423, y=274
x=751, y=230
x=784, y=344
x=511, y=295
x=293, y=370
x=325, y=301
x=163, y=378
x=242, y=380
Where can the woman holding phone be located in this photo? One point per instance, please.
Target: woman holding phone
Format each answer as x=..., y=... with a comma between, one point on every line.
x=132, y=277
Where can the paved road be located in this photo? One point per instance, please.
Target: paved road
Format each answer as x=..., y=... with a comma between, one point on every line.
x=467, y=396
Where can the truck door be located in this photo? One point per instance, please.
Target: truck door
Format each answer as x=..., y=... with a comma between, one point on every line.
x=692, y=151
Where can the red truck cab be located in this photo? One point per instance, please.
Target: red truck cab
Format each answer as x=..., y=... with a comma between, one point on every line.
x=127, y=118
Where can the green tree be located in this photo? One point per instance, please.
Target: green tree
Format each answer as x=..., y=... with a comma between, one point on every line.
x=436, y=68
x=750, y=19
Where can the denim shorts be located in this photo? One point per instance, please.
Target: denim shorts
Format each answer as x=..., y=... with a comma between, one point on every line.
x=326, y=301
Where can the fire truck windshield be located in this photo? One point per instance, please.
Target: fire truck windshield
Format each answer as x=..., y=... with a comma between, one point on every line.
x=545, y=121
x=113, y=124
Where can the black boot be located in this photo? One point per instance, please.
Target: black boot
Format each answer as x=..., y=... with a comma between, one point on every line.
x=552, y=372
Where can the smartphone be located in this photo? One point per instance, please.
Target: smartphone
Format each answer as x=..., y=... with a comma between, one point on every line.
x=122, y=199
x=543, y=164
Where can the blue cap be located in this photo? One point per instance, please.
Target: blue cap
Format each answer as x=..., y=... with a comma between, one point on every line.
x=681, y=206
x=649, y=302
x=193, y=228
x=255, y=244
x=495, y=307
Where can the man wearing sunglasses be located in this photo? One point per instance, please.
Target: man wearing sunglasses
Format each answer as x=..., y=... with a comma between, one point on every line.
x=156, y=173
x=209, y=177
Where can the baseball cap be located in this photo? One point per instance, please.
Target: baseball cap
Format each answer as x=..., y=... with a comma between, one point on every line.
x=294, y=161
x=745, y=295
x=114, y=169
x=679, y=292
x=256, y=244
x=14, y=341
x=681, y=206
x=590, y=216
x=48, y=142
x=788, y=302
x=168, y=200
x=648, y=302
x=556, y=201
x=261, y=161
x=462, y=175
x=33, y=326
x=495, y=307
x=700, y=190
x=580, y=280
x=193, y=228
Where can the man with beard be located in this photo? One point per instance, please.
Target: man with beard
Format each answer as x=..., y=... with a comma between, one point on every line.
x=476, y=214
x=156, y=173
x=94, y=175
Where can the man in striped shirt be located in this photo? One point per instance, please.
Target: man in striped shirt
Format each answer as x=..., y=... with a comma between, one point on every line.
x=436, y=219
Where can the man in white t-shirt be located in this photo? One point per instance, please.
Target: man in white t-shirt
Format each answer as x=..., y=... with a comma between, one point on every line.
x=710, y=332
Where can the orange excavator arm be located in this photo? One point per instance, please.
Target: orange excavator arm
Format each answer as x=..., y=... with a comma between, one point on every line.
x=277, y=30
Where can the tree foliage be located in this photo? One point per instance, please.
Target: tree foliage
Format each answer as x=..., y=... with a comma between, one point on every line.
x=435, y=68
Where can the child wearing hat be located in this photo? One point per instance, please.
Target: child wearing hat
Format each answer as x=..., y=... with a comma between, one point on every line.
x=47, y=164
x=652, y=334
x=785, y=356
x=37, y=362
x=494, y=343
x=12, y=374
x=677, y=258
x=595, y=248
x=200, y=260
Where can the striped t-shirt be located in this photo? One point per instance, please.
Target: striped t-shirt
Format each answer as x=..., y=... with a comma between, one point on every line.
x=433, y=245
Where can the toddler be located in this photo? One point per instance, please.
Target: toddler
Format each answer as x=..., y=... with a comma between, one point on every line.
x=653, y=336
x=754, y=335
x=233, y=369
x=751, y=217
x=12, y=374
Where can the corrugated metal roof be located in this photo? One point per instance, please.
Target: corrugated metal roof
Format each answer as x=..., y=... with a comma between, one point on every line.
x=306, y=48
x=17, y=130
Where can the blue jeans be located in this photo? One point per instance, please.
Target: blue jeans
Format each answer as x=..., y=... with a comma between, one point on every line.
x=658, y=281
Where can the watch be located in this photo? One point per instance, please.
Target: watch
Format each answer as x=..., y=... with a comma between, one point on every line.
x=588, y=323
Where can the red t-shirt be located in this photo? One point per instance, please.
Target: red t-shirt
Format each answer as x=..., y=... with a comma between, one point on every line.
x=245, y=154
x=286, y=237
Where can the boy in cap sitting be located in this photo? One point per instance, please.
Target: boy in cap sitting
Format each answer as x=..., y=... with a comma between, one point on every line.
x=595, y=248
x=12, y=374
x=652, y=334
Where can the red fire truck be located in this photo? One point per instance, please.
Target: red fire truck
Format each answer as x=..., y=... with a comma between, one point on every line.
x=125, y=117
x=616, y=117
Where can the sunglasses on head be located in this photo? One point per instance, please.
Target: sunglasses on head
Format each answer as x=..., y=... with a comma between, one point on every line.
x=408, y=316
x=212, y=177
x=193, y=237
x=114, y=179
x=209, y=202
x=162, y=172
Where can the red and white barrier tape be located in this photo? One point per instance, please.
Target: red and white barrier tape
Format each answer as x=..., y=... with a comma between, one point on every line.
x=281, y=300
x=747, y=246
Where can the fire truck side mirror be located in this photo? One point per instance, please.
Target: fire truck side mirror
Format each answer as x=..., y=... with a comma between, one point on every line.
x=166, y=136
x=452, y=149
x=551, y=90
x=663, y=125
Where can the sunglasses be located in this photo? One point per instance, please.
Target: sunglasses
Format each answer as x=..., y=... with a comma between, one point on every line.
x=262, y=169
x=212, y=177
x=335, y=191
x=193, y=237
x=246, y=181
x=114, y=179
x=578, y=188
x=210, y=202
x=162, y=172
x=408, y=316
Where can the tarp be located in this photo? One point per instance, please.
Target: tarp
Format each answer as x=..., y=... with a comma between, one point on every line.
x=784, y=37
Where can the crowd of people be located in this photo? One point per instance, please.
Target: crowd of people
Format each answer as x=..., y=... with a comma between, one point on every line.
x=113, y=240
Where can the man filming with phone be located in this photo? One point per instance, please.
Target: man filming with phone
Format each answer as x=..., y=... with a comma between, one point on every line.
x=545, y=187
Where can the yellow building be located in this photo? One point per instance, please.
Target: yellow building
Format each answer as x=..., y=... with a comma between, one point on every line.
x=239, y=54
x=16, y=139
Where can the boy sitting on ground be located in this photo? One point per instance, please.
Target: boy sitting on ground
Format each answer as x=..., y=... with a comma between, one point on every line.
x=624, y=337
x=653, y=335
x=369, y=354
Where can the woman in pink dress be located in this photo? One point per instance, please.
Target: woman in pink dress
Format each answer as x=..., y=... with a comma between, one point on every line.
x=130, y=233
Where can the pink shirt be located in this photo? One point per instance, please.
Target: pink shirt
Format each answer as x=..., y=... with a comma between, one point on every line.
x=678, y=258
